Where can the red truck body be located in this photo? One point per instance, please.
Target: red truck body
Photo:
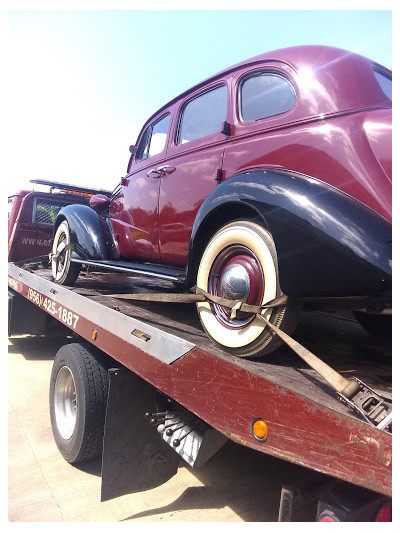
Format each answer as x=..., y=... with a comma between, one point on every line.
x=31, y=216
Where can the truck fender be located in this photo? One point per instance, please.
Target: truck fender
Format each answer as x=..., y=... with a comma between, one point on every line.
x=328, y=244
x=91, y=235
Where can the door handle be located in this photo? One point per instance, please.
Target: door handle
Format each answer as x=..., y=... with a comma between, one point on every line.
x=161, y=171
x=153, y=173
x=166, y=169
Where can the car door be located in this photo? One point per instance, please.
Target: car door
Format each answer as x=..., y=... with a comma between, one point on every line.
x=194, y=163
x=134, y=211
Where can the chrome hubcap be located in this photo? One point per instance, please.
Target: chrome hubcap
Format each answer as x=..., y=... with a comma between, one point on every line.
x=65, y=403
x=235, y=283
x=236, y=274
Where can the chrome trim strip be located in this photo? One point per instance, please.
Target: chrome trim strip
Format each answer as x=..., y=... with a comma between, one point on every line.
x=124, y=269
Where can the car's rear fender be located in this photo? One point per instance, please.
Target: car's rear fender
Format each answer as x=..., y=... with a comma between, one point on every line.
x=328, y=243
x=90, y=234
x=377, y=126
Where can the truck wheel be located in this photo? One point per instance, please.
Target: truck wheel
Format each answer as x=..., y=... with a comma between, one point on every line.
x=78, y=399
x=64, y=271
x=240, y=263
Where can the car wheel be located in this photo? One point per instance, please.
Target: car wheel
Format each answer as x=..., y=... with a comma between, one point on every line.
x=63, y=269
x=240, y=263
x=78, y=398
x=378, y=325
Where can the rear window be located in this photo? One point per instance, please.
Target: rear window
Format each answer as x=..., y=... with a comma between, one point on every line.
x=264, y=95
x=385, y=83
x=46, y=210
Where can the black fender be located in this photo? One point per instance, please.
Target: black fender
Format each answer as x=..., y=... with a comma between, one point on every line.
x=90, y=234
x=328, y=244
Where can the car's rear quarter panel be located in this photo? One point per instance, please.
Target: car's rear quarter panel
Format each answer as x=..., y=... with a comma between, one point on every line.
x=335, y=150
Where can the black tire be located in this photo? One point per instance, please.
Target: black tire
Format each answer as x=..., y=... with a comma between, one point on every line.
x=63, y=269
x=378, y=325
x=243, y=253
x=78, y=399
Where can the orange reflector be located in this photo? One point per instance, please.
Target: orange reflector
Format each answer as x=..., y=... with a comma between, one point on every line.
x=260, y=429
x=94, y=334
x=78, y=193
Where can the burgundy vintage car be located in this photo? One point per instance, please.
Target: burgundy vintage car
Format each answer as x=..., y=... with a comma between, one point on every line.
x=272, y=177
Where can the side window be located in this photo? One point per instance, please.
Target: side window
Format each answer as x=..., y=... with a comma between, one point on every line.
x=203, y=115
x=264, y=95
x=10, y=205
x=143, y=148
x=385, y=83
x=154, y=139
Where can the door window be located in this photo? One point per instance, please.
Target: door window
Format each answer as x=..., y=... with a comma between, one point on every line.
x=203, y=115
x=154, y=139
x=264, y=95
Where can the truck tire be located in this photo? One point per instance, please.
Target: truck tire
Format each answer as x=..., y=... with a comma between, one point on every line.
x=240, y=263
x=78, y=400
x=63, y=269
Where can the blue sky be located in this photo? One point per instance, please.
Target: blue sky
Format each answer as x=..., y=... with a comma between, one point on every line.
x=81, y=83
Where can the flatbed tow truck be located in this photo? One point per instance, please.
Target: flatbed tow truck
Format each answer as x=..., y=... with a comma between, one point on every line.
x=172, y=393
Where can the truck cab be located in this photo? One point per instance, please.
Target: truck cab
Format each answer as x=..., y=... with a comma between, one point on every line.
x=31, y=216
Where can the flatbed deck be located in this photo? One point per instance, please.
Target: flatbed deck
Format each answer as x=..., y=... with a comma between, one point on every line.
x=165, y=345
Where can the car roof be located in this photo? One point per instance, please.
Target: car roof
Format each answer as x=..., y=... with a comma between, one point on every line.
x=325, y=62
x=313, y=56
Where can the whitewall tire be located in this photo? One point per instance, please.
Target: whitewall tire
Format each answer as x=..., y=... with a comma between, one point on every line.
x=64, y=271
x=240, y=263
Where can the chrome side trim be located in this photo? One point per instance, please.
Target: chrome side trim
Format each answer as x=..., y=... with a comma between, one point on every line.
x=169, y=277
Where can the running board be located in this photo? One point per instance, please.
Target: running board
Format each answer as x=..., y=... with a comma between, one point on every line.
x=147, y=269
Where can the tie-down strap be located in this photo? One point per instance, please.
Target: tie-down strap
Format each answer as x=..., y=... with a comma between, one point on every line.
x=370, y=405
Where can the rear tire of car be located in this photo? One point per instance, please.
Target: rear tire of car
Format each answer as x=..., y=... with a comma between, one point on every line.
x=240, y=263
x=78, y=400
x=378, y=325
x=63, y=269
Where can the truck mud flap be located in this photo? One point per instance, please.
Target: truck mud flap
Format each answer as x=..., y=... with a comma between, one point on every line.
x=24, y=317
x=135, y=458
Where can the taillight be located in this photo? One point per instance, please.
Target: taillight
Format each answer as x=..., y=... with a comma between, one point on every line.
x=384, y=513
x=328, y=516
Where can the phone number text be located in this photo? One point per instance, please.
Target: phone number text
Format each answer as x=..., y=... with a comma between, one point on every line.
x=64, y=315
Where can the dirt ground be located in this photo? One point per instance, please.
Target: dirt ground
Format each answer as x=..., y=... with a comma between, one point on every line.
x=236, y=485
